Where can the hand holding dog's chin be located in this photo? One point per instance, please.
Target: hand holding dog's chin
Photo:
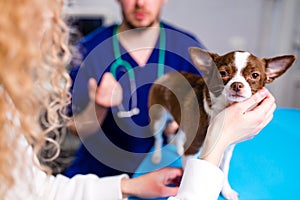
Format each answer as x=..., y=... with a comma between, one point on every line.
x=237, y=123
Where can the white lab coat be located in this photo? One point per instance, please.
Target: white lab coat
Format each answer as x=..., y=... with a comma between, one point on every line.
x=201, y=181
x=42, y=186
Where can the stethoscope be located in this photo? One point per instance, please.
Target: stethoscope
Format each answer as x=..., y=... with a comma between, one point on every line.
x=119, y=62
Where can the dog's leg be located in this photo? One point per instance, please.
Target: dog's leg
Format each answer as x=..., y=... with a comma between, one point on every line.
x=227, y=191
x=170, y=123
x=171, y=139
x=179, y=142
x=158, y=143
x=159, y=118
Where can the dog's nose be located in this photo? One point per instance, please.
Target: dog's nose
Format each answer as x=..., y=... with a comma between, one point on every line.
x=237, y=86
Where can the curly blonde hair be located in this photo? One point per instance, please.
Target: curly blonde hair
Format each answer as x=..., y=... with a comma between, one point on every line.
x=34, y=84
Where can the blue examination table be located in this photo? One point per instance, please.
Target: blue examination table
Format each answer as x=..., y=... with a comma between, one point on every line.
x=264, y=168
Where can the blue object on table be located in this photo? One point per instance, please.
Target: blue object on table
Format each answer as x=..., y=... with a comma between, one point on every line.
x=264, y=168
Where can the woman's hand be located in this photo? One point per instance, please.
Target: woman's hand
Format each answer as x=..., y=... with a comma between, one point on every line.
x=239, y=122
x=153, y=185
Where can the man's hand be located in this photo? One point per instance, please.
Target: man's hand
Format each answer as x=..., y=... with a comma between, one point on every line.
x=108, y=94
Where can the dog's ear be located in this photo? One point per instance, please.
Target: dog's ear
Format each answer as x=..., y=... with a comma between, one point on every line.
x=202, y=59
x=276, y=66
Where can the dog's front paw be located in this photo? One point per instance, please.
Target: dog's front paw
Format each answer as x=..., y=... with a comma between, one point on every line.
x=156, y=157
x=180, y=150
x=230, y=194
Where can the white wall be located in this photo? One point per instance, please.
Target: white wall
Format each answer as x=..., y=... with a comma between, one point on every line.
x=108, y=8
x=264, y=27
x=221, y=25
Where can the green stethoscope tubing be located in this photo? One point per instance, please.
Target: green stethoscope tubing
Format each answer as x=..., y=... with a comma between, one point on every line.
x=120, y=62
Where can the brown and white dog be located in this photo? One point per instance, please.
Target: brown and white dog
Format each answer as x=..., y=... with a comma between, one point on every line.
x=193, y=101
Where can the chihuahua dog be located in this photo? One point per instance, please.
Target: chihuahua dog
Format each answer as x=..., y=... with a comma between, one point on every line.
x=193, y=100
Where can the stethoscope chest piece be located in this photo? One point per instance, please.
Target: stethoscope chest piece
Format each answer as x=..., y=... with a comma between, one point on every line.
x=129, y=113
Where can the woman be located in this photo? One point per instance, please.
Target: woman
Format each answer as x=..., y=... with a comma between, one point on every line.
x=33, y=94
x=34, y=53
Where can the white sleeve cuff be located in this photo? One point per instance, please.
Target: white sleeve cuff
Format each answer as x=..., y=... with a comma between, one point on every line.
x=112, y=186
x=201, y=180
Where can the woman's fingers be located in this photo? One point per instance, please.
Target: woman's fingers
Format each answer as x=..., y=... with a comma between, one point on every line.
x=254, y=100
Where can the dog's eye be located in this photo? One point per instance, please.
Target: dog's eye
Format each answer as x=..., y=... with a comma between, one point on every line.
x=255, y=75
x=223, y=73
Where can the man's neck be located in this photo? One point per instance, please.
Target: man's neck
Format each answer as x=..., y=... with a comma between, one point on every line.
x=139, y=42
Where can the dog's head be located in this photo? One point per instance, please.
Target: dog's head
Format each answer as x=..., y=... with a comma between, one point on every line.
x=240, y=73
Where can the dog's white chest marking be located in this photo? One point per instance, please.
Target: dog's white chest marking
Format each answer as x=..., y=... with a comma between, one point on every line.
x=219, y=103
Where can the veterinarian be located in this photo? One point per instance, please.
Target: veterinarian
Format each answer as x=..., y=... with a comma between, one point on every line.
x=134, y=53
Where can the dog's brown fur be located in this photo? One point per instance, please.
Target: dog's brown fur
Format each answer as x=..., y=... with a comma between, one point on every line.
x=165, y=97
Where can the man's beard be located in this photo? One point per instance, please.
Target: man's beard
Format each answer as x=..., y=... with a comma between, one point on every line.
x=132, y=26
